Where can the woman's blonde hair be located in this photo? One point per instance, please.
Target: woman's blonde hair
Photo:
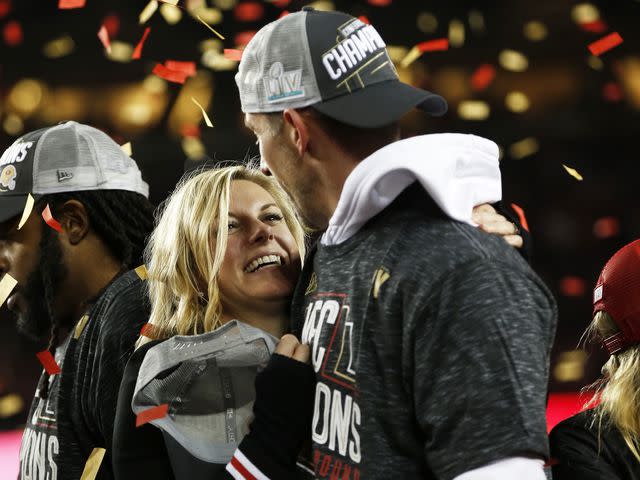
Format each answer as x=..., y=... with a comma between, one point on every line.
x=617, y=394
x=186, y=250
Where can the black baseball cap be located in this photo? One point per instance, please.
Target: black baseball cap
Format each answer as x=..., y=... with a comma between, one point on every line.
x=333, y=62
x=67, y=157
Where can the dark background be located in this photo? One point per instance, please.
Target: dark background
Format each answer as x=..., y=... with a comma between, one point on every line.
x=581, y=115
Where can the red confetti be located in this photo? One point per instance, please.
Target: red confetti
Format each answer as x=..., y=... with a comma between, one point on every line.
x=364, y=19
x=612, y=92
x=12, y=33
x=379, y=3
x=248, y=11
x=521, y=216
x=169, y=75
x=147, y=330
x=606, y=227
x=112, y=24
x=49, y=220
x=153, y=413
x=243, y=38
x=231, y=54
x=281, y=3
x=190, y=130
x=103, y=35
x=68, y=4
x=137, y=52
x=605, y=44
x=5, y=8
x=597, y=26
x=434, y=45
x=188, y=68
x=572, y=286
x=284, y=13
x=48, y=362
x=482, y=77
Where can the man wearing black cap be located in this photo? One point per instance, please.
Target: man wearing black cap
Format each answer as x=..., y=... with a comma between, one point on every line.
x=429, y=338
x=69, y=286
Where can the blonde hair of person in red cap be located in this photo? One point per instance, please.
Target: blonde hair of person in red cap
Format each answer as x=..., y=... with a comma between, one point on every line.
x=616, y=324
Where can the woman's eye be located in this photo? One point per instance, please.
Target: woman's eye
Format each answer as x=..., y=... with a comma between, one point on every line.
x=232, y=225
x=273, y=217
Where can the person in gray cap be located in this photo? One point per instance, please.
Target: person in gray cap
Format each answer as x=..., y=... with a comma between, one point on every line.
x=430, y=339
x=72, y=291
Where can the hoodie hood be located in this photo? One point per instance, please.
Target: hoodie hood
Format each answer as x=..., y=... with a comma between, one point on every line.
x=458, y=171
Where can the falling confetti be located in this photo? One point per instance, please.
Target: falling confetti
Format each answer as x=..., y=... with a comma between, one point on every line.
x=204, y=114
x=69, y=4
x=188, y=68
x=434, y=45
x=233, y=54
x=243, y=38
x=141, y=271
x=112, y=24
x=49, y=220
x=148, y=330
x=148, y=11
x=606, y=227
x=209, y=27
x=28, y=208
x=48, y=362
x=126, y=148
x=137, y=52
x=364, y=19
x=379, y=3
x=12, y=33
x=572, y=286
x=103, y=35
x=7, y=284
x=605, y=44
x=482, y=77
x=5, y=8
x=152, y=413
x=597, y=26
x=248, y=11
x=574, y=173
x=521, y=216
x=92, y=466
x=168, y=74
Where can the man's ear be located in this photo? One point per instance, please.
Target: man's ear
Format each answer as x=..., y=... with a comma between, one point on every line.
x=296, y=129
x=74, y=220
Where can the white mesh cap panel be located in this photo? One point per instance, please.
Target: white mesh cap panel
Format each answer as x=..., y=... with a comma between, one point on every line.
x=73, y=157
x=276, y=71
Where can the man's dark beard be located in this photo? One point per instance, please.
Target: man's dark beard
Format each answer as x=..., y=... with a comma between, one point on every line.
x=41, y=288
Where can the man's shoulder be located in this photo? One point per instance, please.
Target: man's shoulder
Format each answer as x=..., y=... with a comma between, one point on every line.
x=123, y=306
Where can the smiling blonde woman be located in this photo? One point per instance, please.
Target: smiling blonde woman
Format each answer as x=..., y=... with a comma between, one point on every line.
x=222, y=265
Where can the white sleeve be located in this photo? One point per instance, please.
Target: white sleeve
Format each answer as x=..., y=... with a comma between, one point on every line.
x=520, y=468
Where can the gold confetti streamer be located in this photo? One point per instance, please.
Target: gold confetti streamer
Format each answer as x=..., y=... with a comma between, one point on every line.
x=148, y=11
x=206, y=117
x=126, y=148
x=28, y=208
x=209, y=27
x=93, y=464
x=574, y=173
x=7, y=284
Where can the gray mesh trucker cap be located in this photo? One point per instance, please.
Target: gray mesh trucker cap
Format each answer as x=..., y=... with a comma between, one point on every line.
x=208, y=382
x=331, y=61
x=67, y=157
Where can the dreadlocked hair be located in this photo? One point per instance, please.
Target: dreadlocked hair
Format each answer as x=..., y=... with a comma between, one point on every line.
x=123, y=220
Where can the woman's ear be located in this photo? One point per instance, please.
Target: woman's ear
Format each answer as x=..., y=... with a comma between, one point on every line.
x=296, y=130
x=74, y=220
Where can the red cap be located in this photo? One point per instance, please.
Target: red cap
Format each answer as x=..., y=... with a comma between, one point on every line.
x=617, y=292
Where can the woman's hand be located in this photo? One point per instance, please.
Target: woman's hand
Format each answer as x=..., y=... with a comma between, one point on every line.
x=492, y=222
x=290, y=347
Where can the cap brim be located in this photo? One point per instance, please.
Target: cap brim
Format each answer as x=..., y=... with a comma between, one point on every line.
x=13, y=205
x=381, y=104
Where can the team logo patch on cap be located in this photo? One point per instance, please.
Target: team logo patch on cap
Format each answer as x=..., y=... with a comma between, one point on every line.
x=281, y=85
x=8, y=178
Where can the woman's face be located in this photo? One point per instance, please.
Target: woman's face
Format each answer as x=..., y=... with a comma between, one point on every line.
x=262, y=263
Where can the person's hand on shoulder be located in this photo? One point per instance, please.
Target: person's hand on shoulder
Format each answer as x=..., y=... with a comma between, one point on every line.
x=490, y=221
